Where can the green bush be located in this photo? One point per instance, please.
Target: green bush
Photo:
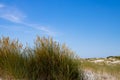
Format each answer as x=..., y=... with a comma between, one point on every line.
x=47, y=60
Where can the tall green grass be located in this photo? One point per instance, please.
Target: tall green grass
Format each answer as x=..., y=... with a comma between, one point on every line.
x=47, y=60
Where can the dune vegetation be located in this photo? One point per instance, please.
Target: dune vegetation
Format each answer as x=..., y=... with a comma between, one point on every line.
x=49, y=60
x=46, y=60
x=102, y=70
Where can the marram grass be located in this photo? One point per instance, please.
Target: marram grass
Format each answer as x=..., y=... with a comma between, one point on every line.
x=47, y=60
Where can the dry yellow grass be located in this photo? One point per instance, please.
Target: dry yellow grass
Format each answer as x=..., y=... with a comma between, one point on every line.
x=48, y=60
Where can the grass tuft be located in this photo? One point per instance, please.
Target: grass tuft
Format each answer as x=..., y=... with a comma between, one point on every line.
x=48, y=60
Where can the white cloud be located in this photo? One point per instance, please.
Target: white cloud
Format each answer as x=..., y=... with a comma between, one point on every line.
x=14, y=15
x=44, y=29
x=11, y=13
x=11, y=17
x=2, y=5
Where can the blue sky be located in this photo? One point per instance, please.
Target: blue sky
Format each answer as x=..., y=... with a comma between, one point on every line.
x=91, y=28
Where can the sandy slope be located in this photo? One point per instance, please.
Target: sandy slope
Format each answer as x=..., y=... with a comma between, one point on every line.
x=90, y=75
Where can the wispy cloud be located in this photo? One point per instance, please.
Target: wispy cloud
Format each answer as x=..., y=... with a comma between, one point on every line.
x=14, y=15
x=11, y=14
x=45, y=30
x=48, y=31
x=1, y=5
